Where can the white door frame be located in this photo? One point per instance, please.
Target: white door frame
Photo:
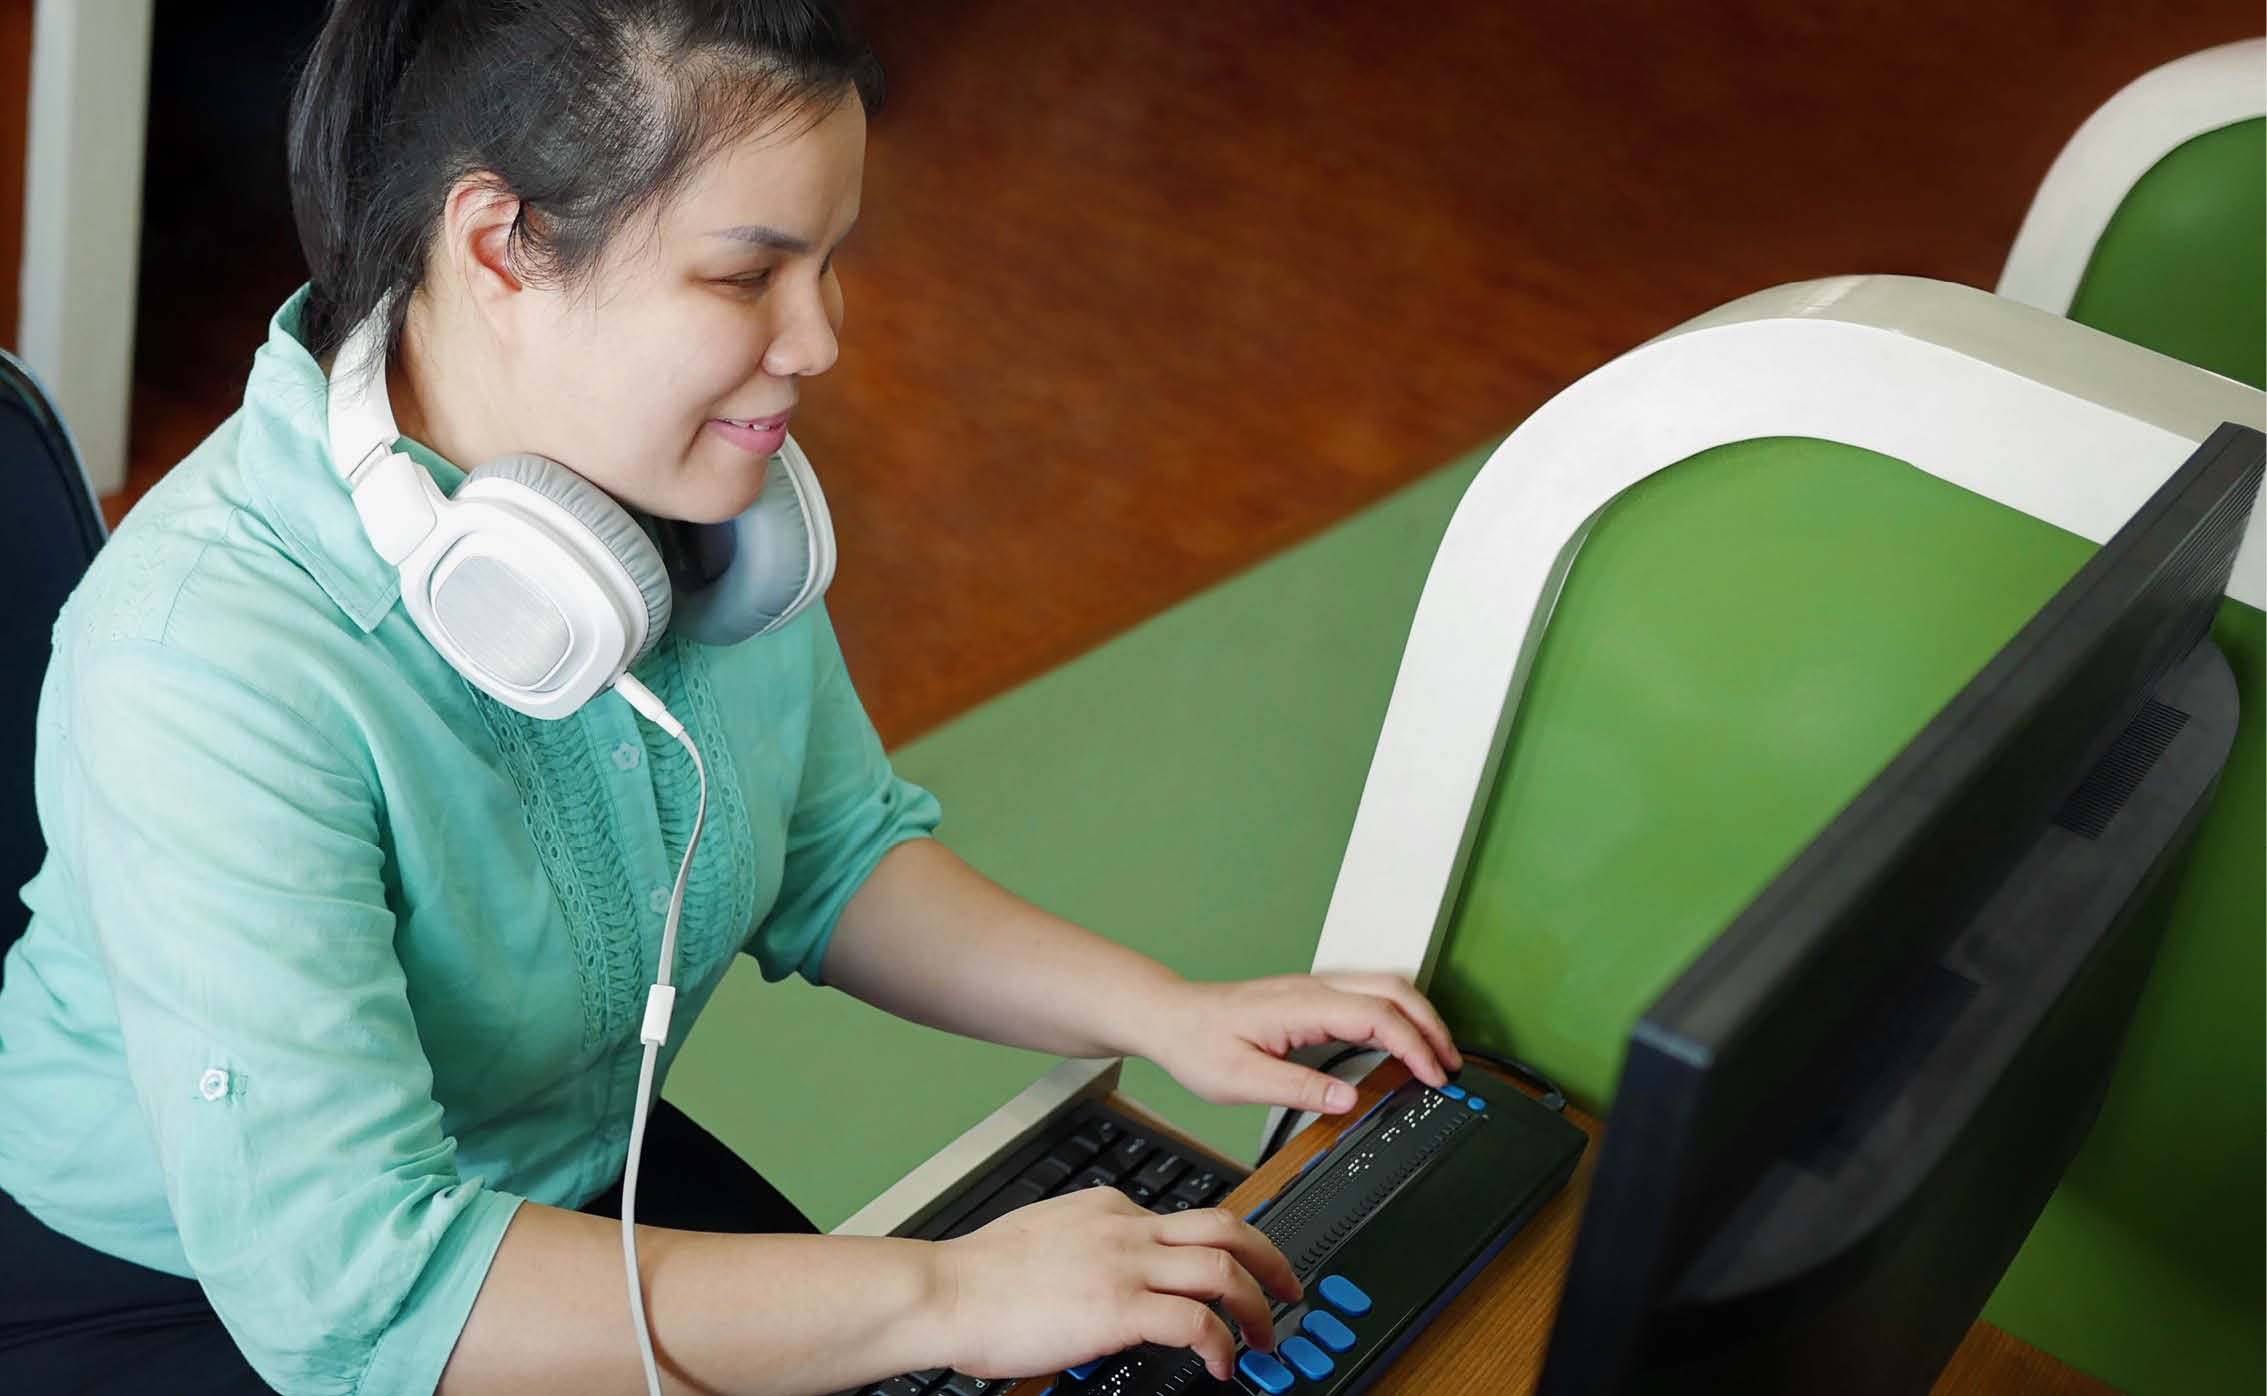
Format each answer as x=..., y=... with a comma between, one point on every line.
x=83, y=217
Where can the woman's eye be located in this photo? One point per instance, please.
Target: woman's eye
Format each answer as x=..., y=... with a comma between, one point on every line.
x=753, y=281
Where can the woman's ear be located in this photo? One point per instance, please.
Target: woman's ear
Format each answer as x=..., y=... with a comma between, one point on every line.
x=477, y=221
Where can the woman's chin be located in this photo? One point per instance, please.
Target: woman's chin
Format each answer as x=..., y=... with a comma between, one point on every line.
x=721, y=503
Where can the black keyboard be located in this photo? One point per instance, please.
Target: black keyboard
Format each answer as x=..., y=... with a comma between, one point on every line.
x=1089, y=1146
x=1383, y=1230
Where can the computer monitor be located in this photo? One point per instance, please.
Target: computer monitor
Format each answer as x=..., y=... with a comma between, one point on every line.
x=1834, y=1130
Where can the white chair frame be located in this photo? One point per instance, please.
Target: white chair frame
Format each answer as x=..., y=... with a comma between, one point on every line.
x=2040, y=413
x=2147, y=119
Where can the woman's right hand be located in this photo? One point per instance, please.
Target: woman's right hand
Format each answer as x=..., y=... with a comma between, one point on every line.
x=1090, y=1273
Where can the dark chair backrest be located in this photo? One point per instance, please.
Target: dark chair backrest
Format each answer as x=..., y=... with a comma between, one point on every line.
x=49, y=530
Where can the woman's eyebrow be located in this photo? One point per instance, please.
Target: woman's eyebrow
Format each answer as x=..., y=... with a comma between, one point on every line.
x=772, y=238
x=764, y=237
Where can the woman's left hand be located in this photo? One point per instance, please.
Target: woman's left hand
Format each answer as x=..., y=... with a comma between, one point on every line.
x=1226, y=1042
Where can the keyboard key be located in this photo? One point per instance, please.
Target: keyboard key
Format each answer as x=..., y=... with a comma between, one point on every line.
x=1476, y=1103
x=1311, y=1362
x=1019, y=1193
x=962, y=1384
x=1092, y=1178
x=1161, y=1172
x=1265, y=1372
x=1075, y=1152
x=1127, y=1153
x=1141, y=1194
x=1453, y=1092
x=1107, y=1131
x=1200, y=1188
x=1047, y=1173
x=1343, y=1295
x=898, y=1386
x=1324, y=1326
x=1166, y=1206
x=929, y=1378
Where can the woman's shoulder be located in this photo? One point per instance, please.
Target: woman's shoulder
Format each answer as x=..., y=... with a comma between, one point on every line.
x=195, y=564
x=199, y=585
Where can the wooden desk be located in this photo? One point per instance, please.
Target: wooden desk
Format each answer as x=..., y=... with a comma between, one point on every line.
x=1490, y=1340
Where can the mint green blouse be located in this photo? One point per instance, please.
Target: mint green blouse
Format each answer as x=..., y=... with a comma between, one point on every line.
x=333, y=959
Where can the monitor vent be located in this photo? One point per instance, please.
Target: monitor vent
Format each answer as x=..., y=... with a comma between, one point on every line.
x=2106, y=788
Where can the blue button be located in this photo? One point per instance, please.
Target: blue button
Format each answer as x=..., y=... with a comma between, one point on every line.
x=1083, y=1370
x=1453, y=1092
x=1477, y=1103
x=1270, y=1375
x=1328, y=1330
x=1309, y=1359
x=1344, y=1295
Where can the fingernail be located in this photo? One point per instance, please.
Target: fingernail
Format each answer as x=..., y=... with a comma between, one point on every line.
x=1339, y=1098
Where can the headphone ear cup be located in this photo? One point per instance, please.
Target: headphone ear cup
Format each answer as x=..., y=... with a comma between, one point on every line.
x=609, y=522
x=778, y=559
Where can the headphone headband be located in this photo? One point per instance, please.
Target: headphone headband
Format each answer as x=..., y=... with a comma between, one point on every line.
x=361, y=419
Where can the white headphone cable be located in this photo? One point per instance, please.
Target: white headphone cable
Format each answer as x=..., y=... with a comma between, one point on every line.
x=660, y=1001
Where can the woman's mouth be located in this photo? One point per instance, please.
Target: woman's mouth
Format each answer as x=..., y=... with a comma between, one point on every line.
x=760, y=436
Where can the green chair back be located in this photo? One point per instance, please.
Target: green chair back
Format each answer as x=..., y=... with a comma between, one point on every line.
x=2182, y=265
x=1744, y=641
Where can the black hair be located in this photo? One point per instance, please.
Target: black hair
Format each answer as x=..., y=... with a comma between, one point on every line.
x=587, y=110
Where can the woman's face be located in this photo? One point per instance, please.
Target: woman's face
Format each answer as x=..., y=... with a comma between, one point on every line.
x=668, y=377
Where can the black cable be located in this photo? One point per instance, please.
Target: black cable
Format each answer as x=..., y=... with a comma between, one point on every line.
x=1277, y=1138
x=1553, y=1097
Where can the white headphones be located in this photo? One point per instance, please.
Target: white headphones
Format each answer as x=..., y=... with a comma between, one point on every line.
x=534, y=584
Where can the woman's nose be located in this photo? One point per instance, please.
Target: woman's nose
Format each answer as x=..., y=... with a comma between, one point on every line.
x=806, y=342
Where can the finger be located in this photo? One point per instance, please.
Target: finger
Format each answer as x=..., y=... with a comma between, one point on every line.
x=1200, y=1272
x=1368, y=1020
x=1413, y=1005
x=1171, y=1321
x=1273, y=1081
x=1221, y=1228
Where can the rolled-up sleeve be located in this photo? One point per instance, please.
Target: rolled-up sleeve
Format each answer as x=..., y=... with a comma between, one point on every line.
x=851, y=807
x=231, y=861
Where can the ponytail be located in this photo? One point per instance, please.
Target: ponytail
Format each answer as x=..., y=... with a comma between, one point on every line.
x=337, y=157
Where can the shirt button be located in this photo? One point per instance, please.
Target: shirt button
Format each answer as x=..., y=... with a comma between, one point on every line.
x=213, y=1084
x=627, y=755
x=659, y=901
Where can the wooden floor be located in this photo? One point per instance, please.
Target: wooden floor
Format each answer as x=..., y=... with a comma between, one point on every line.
x=1144, y=294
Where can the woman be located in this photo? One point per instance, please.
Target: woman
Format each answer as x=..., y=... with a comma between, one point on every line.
x=320, y=1051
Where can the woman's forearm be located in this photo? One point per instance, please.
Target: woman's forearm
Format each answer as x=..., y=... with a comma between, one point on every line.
x=929, y=938
x=745, y=1315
